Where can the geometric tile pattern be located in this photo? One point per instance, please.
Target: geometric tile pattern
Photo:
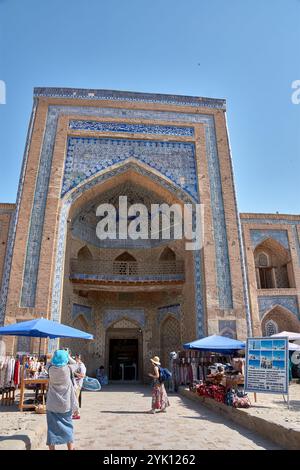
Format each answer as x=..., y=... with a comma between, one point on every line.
x=228, y=328
x=114, y=95
x=110, y=316
x=218, y=214
x=270, y=221
x=170, y=339
x=127, y=278
x=82, y=310
x=132, y=128
x=258, y=236
x=199, y=300
x=162, y=312
x=287, y=301
x=297, y=241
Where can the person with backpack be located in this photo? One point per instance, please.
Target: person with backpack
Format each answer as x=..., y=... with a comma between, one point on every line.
x=61, y=401
x=160, y=400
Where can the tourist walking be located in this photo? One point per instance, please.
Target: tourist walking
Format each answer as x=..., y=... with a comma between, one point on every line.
x=79, y=374
x=61, y=402
x=160, y=400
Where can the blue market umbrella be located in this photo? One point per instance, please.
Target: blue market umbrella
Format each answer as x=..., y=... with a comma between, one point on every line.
x=42, y=328
x=215, y=343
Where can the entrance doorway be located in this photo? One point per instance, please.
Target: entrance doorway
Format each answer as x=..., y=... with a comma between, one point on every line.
x=123, y=359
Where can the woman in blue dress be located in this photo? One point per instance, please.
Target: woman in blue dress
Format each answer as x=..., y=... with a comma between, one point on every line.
x=61, y=402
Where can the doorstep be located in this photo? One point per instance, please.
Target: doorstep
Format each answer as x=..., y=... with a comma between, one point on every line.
x=284, y=436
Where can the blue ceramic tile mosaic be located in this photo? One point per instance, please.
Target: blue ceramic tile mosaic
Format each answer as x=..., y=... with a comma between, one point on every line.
x=131, y=128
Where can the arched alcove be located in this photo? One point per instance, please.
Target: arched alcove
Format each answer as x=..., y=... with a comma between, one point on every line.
x=167, y=255
x=84, y=254
x=282, y=320
x=273, y=266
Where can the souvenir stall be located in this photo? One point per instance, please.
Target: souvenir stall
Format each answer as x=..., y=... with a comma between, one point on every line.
x=9, y=379
x=29, y=370
x=219, y=375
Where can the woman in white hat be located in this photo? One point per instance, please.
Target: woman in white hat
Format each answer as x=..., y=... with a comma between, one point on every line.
x=160, y=399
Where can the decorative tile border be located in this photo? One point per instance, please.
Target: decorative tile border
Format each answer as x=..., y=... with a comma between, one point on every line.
x=120, y=278
x=132, y=128
x=84, y=310
x=163, y=312
x=114, y=95
x=258, y=236
x=43, y=181
x=228, y=326
x=289, y=302
x=13, y=222
x=297, y=241
x=111, y=316
x=219, y=222
x=199, y=296
x=270, y=221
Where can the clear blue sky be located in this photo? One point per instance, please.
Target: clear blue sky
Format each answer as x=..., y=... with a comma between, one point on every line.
x=246, y=51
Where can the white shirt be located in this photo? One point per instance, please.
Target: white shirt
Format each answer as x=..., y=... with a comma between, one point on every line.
x=81, y=369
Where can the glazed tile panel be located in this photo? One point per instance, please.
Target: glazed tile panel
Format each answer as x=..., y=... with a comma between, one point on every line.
x=131, y=128
x=163, y=312
x=258, y=236
x=287, y=301
x=297, y=242
x=88, y=156
x=111, y=316
x=84, y=310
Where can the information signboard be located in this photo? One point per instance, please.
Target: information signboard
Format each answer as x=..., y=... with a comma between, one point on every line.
x=267, y=365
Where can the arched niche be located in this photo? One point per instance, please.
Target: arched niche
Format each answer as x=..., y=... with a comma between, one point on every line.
x=273, y=266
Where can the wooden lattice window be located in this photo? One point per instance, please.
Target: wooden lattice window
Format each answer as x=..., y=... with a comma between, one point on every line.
x=271, y=328
x=170, y=339
x=266, y=278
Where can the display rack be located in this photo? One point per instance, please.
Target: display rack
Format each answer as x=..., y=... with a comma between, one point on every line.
x=42, y=382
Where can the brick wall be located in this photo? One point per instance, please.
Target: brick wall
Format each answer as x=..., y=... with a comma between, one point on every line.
x=6, y=211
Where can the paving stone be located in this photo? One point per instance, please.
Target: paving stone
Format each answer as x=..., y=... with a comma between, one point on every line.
x=118, y=420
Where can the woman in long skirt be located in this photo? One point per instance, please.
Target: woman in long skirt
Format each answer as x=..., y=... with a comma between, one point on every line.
x=160, y=400
x=61, y=400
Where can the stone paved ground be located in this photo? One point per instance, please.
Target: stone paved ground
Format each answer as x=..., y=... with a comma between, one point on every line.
x=115, y=418
x=273, y=408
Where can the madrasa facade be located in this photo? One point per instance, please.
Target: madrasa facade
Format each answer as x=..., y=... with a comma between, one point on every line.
x=139, y=297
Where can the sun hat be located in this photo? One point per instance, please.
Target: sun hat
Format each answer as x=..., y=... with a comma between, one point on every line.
x=60, y=358
x=155, y=360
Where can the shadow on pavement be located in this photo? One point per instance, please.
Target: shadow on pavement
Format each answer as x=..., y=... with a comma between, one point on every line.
x=127, y=412
x=17, y=437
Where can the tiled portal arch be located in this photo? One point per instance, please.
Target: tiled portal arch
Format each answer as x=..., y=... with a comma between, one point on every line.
x=95, y=180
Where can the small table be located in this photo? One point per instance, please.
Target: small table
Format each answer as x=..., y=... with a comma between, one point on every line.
x=24, y=382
